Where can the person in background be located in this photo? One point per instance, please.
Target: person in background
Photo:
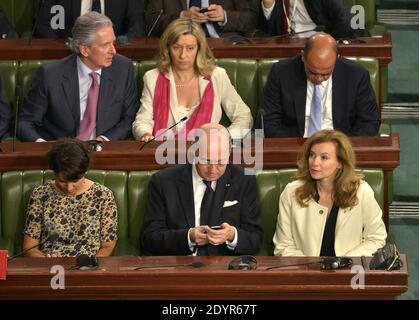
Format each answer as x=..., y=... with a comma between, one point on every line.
x=187, y=83
x=6, y=29
x=302, y=15
x=5, y=110
x=126, y=16
x=218, y=18
x=83, y=213
x=330, y=210
x=319, y=90
x=209, y=207
x=91, y=94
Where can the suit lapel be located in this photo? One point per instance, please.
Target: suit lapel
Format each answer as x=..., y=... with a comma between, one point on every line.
x=223, y=184
x=70, y=84
x=300, y=96
x=186, y=195
x=338, y=88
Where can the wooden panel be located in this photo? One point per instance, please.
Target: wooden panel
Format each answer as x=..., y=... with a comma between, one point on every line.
x=29, y=278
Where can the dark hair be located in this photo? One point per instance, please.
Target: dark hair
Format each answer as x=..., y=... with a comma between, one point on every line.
x=70, y=157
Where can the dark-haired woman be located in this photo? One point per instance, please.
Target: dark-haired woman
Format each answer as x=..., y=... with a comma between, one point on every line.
x=83, y=213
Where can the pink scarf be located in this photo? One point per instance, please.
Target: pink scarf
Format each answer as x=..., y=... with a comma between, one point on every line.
x=161, y=108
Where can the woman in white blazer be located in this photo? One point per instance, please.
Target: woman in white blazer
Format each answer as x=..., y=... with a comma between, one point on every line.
x=187, y=83
x=329, y=210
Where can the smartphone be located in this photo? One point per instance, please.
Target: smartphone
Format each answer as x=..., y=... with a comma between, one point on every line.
x=203, y=10
x=216, y=227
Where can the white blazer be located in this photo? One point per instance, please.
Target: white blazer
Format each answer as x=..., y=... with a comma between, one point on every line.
x=360, y=231
x=225, y=96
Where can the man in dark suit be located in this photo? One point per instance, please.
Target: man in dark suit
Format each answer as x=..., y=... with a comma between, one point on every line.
x=187, y=201
x=91, y=94
x=126, y=15
x=5, y=110
x=319, y=80
x=334, y=15
x=224, y=18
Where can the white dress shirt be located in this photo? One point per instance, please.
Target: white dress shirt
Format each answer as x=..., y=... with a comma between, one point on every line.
x=85, y=82
x=86, y=6
x=299, y=18
x=199, y=188
x=327, y=117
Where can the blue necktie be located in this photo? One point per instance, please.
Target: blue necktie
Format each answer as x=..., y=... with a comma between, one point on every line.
x=96, y=6
x=198, y=3
x=315, y=121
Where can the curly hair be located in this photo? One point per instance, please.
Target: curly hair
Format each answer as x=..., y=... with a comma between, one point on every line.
x=346, y=181
x=205, y=61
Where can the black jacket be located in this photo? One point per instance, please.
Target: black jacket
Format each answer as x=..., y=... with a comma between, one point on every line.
x=126, y=16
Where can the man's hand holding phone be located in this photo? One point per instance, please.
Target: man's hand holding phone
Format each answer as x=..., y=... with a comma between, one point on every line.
x=220, y=234
x=195, y=14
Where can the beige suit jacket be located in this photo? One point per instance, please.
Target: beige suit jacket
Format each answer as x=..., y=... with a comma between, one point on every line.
x=225, y=98
x=299, y=230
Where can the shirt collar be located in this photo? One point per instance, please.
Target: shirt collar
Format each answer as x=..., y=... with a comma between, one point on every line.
x=84, y=70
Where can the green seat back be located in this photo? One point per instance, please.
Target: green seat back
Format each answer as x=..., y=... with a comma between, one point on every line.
x=137, y=200
x=27, y=72
x=243, y=76
x=9, y=72
x=20, y=13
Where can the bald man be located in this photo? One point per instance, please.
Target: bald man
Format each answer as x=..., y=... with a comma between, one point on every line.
x=318, y=79
x=209, y=207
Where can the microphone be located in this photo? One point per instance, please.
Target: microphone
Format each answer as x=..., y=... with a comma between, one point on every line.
x=35, y=25
x=319, y=28
x=163, y=132
x=154, y=24
x=85, y=262
x=293, y=265
x=262, y=113
x=17, y=95
x=195, y=264
x=52, y=238
x=239, y=39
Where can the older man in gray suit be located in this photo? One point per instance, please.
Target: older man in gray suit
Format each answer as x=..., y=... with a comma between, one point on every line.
x=90, y=94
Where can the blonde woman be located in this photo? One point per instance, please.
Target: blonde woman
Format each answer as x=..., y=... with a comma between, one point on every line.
x=329, y=210
x=187, y=83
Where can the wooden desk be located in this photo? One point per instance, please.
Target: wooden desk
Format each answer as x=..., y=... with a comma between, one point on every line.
x=371, y=152
x=141, y=48
x=29, y=278
x=259, y=48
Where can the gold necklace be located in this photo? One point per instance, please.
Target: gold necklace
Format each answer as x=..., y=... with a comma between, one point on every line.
x=184, y=83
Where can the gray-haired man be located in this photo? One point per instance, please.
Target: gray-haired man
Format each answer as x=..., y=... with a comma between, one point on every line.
x=90, y=94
